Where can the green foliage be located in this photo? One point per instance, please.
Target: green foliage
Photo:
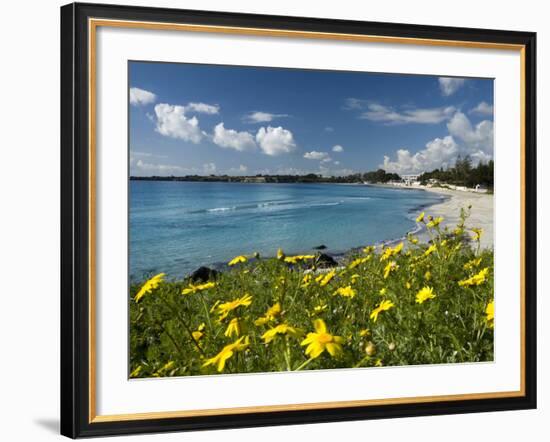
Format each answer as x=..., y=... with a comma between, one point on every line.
x=172, y=334
x=463, y=174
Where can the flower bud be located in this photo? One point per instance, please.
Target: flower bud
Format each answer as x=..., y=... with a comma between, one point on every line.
x=370, y=349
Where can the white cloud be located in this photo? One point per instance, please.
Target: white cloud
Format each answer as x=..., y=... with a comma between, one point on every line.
x=141, y=97
x=229, y=138
x=450, y=85
x=463, y=139
x=241, y=170
x=140, y=167
x=134, y=153
x=482, y=108
x=172, y=122
x=261, y=117
x=329, y=129
x=477, y=141
x=337, y=148
x=314, y=155
x=337, y=163
x=209, y=168
x=354, y=103
x=203, y=108
x=385, y=114
x=275, y=140
x=438, y=153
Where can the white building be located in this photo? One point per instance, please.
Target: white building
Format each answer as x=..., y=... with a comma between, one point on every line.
x=411, y=179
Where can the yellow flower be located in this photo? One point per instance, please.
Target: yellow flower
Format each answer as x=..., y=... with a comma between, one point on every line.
x=430, y=250
x=490, y=314
x=237, y=260
x=135, y=373
x=280, y=254
x=306, y=280
x=383, y=291
x=477, y=279
x=472, y=263
x=326, y=278
x=435, y=222
x=234, y=328
x=225, y=308
x=197, y=288
x=424, y=294
x=281, y=329
x=149, y=286
x=477, y=233
x=321, y=340
x=319, y=308
x=298, y=258
x=420, y=218
x=383, y=306
x=365, y=332
x=229, y=350
x=168, y=366
x=270, y=315
x=198, y=334
x=428, y=275
x=389, y=252
x=390, y=267
x=408, y=285
x=368, y=249
x=346, y=292
x=458, y=231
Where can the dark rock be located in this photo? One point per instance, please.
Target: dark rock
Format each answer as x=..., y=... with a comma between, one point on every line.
x=203, y=274
x=321, y=247
x=325, y=261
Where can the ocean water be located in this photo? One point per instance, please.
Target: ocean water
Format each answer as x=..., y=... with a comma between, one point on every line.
x=175, y=227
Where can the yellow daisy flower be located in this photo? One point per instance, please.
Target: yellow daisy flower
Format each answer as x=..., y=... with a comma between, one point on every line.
x=390, y=267
x=477, y=279
x=424, y=294
x=229, y=350
x=281, y=329
x=237, y=260
x=321, y=340
x=346, y=292
x=270, y=315
x=490, y=314
x=149, y=286
x=383, y=306
x=224, y=309
x=191, y=289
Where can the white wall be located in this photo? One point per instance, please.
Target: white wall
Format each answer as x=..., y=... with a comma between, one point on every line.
x=29, y=220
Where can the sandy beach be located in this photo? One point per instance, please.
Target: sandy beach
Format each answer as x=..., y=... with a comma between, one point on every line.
x=481, y=213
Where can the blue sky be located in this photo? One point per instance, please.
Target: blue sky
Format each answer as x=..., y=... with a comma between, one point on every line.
x=206, y=119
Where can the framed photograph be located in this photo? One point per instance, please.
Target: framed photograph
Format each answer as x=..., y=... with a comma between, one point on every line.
x=279, y=220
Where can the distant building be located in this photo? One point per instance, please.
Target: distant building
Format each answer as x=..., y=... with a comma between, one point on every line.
x=411, y=179
x=254, y=179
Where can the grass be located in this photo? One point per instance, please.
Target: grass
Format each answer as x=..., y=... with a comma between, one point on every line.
x=409, y=304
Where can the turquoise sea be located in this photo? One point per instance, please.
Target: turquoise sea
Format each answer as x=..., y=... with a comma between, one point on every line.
x=175, y=227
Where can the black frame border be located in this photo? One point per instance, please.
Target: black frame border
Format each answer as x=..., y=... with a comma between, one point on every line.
x=75, y=220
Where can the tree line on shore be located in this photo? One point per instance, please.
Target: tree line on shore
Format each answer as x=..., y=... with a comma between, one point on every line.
x=461, y=174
